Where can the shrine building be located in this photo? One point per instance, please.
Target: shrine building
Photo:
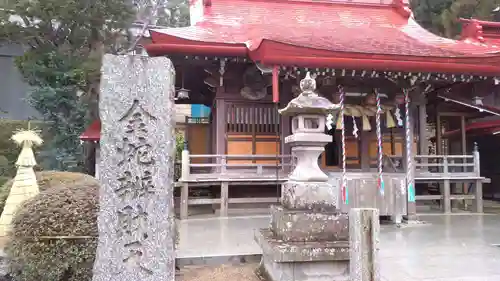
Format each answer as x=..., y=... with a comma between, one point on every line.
x=409, y=98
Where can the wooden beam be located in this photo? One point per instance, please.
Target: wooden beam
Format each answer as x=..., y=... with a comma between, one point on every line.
x=455, y=114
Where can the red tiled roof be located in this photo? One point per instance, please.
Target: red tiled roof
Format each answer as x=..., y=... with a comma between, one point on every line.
x=343, y=28
x=93, y=132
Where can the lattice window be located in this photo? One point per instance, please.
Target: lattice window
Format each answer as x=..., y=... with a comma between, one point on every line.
x=258, y=119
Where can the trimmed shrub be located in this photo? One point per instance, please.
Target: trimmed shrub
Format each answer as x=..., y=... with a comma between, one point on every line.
x=39, y=248
x=47, y=179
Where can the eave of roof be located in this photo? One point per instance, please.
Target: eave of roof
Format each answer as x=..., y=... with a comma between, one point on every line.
x=477, y=129
x=358, y=36
x=493, y=110
x=93, y=132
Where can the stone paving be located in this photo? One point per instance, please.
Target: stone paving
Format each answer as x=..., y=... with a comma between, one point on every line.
x=458, y=247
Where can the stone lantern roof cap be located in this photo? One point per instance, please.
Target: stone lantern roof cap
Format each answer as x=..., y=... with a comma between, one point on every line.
x=308, y=101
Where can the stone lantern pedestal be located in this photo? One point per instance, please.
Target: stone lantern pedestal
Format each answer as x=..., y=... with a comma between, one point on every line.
x=308, y=237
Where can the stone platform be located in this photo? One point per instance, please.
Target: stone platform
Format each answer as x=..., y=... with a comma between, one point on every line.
x=458, y=247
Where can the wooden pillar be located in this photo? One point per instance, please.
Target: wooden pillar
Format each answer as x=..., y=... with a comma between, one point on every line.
x=393, y=142
x=478, y=200
x=446, y=191
x=224, y=198
x=220, y=133
x=463, y=143
x=285, y=122
x=462, y=133
x=423, y=145
x=365, y=150
x=184, y=204
x=446, y=188
x=439, y=141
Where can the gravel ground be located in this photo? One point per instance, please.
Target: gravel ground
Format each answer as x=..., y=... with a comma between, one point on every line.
x=244, y=272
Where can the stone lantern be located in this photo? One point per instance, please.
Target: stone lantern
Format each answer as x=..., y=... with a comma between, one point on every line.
x=308, y=236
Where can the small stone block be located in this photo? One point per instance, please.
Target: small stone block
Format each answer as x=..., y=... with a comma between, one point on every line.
x=318, y=196
x=308, y=226
x=279, y=251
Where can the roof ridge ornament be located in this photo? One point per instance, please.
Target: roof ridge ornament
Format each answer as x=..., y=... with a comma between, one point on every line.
x=402, y=7
x=472, y=30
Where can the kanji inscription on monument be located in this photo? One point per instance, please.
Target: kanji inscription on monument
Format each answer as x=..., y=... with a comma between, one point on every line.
x=136, y=221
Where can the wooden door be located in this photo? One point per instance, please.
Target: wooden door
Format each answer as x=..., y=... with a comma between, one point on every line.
x=252, y=130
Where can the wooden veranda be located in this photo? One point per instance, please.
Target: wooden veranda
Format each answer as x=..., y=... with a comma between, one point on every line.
x=443, y=169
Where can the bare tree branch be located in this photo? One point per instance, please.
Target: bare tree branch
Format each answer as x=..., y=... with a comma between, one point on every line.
x=147, y=23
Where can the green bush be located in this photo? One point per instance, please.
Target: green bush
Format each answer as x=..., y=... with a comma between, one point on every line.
x=46, y=179
x=179, y=146
x=39, y=249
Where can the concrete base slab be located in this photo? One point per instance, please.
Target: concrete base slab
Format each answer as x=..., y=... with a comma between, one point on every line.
x=456, y=247
x=280, y=251
x=305, y=271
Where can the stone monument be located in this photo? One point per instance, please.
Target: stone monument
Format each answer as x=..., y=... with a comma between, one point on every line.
x=308, y=239
x=136, y=219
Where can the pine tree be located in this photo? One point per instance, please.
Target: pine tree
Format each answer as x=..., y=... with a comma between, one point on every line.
x=443, y=16
x=65, y=41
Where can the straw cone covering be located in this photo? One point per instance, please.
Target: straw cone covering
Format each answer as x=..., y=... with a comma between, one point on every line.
x=25, y=185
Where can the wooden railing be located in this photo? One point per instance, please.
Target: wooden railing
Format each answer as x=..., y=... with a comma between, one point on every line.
x=225, y=164
x=445, y=170
x=426, y=166
x=448, y=165
x=225, y=169
x=264, y=169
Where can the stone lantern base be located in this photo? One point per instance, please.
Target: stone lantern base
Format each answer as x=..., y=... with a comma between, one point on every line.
x=305, y=245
